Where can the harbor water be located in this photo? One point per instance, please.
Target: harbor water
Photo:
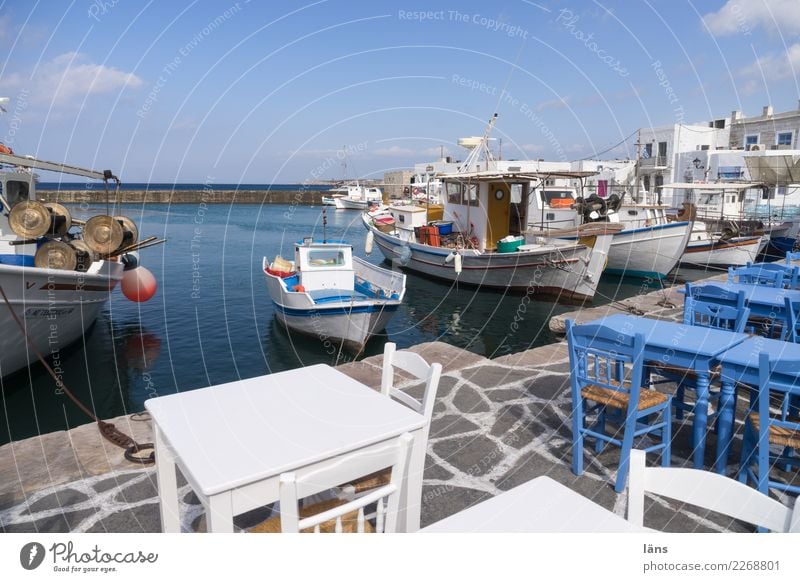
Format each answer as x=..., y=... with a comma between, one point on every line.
x=211, y=320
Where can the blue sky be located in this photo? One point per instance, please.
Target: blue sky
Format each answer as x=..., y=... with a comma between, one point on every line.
x=270, y=92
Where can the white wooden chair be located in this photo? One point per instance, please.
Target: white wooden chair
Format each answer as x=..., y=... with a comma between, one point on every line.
x=338, y=516
x=708, y=490
x=415, y=365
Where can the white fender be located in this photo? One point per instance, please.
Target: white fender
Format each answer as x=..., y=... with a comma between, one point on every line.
x=457, y=264
x=369, y=242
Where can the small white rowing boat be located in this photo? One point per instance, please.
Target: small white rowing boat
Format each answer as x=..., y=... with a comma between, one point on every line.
x=328, y=293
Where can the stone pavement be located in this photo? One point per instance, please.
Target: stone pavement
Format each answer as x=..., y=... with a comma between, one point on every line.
x=496, y=424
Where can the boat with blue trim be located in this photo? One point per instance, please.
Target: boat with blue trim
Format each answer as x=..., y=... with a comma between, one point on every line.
x=650, y=244
x=328, y=293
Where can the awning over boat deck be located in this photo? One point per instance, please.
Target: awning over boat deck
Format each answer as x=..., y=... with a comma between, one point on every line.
x=511, y=176
x=714, y=185
x=778, y=170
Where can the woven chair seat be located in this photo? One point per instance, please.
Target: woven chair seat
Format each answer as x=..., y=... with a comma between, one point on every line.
x=371, y=481
x=785, y=437
x=684, y=373
x=349, y=520
x=614, y=399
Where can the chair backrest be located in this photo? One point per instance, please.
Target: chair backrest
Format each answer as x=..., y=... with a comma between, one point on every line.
x=415, y=365
x=790, y=256
x=296, y=486
x=772, y=390
x=603, y=357
x=790, y=331
x=708, y=490
x=761, y=274
x=697, y=312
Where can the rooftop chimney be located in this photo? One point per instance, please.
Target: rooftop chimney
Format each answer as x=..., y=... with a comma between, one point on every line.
x=767, y=111
x=736, y=114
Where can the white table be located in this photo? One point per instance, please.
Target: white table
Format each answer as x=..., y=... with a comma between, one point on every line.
x=232, y=441
x=541, y=505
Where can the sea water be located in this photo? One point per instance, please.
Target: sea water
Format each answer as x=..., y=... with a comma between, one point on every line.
x=212, y=321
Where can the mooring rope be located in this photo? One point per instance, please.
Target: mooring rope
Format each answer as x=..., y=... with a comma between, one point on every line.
x=107, y=429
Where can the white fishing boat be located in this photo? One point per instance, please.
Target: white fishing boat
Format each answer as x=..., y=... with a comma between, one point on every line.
x=328, y=293
x=358, y=197
x=721, y=204
x=649, y=245
x=721, y=249
x=479, y=246
x=56, y=273
x=331, y=200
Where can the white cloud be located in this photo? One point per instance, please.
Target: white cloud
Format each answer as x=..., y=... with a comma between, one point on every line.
x=532, y=148
x=741, y=17
x=68, y=79
x=394, y=151
x=775, y=67
x=553, y=104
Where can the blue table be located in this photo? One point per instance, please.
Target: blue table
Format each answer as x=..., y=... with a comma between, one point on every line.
x=696, y=348
x=762, y=300
x=740, y=366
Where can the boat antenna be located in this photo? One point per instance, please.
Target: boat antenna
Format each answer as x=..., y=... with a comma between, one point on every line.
x=481, y=150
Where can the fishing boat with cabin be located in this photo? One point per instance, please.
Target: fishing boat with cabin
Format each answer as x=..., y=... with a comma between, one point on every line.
x=327, y=292
x=483, y=240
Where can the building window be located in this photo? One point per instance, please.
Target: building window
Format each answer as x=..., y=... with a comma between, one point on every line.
x=785, y=138
x=750, y=140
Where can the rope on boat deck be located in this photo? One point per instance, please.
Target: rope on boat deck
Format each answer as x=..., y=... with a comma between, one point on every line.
x=110, y=432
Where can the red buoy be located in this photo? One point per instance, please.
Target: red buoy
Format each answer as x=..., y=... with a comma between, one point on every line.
x=139, y=285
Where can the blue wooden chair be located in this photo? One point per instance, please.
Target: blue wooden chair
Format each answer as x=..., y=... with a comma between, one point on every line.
x=608, y=381
x=790, y=256
x=790, y=332
x=763, y=429
x=770, y=274
x=723, y=310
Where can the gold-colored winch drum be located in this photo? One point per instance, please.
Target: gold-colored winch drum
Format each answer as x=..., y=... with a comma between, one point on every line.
x=103, y=234
x=60, y=219
x=56, y=255
x=129, y=229
x=29, y=219
x=83, y=255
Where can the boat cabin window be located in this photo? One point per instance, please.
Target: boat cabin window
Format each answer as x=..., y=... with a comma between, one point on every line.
x=325, y=258
x=16, y=191
x=516, y=193
x=464, y=194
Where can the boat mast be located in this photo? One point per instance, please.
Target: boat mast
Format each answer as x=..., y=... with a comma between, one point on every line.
x=636, y=168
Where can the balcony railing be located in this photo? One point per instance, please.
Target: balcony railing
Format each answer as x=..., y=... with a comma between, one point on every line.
x=653, y=162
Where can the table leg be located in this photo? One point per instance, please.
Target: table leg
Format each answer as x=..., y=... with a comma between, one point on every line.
x=724, y=425
x=167, y=485
x=219, y=518
x=411, y=499
x=700, y=426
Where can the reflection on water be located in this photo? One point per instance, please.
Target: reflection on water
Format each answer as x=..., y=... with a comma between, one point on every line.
x=212, y=322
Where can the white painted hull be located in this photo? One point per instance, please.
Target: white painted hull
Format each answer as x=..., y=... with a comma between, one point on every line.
x=734, y=252
x=569, y=273
x=57, y=307
x=350, y=204
x=649, y=251
x=347, y=323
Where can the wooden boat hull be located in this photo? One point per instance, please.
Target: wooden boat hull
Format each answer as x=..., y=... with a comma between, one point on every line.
x=569, y=273
x=650, y=251
x=56, y=307
x=736, y=251
x=346, y=320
